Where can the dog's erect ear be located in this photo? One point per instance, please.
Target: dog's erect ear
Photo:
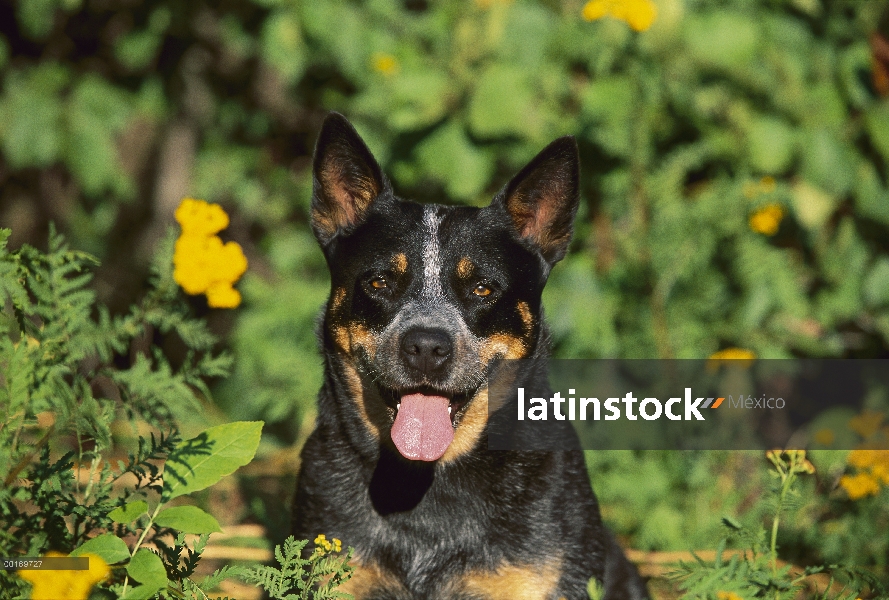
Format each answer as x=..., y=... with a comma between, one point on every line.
x=542, y=199
x=346, y=179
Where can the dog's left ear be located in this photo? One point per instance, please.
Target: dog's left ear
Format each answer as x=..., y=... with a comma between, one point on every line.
x=347, y=179
x=542, y=199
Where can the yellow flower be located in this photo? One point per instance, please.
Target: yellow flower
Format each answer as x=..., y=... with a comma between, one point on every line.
x=70, y=585
x=731, y=354
x=860, y=485
x=728, y=596
x=638, y=14
x=337, y=545
x=384, y=63
x=202, y=264
x=767, y=219
x=200, y=218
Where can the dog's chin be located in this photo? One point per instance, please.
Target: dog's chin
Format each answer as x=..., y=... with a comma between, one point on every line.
x=458, y=402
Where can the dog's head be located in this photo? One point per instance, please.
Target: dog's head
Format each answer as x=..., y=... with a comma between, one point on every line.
x=425, y=297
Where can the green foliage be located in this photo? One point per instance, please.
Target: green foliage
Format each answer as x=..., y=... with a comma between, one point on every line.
x=315, y=577
x=755, y=571
x=62, y=386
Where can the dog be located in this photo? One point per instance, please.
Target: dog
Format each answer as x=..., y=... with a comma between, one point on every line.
x=424, y=300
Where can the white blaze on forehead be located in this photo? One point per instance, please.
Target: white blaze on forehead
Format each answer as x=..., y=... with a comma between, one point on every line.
x=431, y=255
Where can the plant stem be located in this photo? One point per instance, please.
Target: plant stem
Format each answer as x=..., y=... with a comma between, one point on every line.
x=145, y=531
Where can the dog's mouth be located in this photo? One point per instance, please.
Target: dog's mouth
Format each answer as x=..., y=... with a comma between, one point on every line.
x=424, y=419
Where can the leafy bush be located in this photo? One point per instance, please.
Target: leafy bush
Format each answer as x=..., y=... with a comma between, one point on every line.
x=65, y=397
x=756, y=572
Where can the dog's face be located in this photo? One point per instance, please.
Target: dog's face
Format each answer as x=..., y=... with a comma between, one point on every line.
x=424, y=298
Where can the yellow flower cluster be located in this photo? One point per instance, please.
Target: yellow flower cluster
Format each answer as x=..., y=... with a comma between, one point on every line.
x=789, y=462
x=202, y=263
x=767, y=219
x=729, y=596
x=325, y=545
x=638, y=14
x=873, y=473
x=70, y=585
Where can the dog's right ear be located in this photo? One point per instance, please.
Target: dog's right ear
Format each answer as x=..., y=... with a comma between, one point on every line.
x=346, y=179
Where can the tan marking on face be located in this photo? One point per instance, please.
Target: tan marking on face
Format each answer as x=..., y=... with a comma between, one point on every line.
x=465, y=268
x=502, y=345
x=341, y=337
x=527, y=319
x=336, y=302
x=354, y=336
x=369, y=580
x=399, y=263
x=372, y=409
x=512, y=582
x=469, y=429
x=361, y=337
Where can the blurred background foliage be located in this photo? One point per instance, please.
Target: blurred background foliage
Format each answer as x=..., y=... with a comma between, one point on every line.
x=735, y=170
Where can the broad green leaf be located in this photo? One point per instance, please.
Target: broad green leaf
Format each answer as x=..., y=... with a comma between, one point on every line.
x=877, y=122
x=449, y=156
x=188, y=519
x=771, y=145
x=608, y=102
x=142, y=592
x=722, y=38
x=876, y=284
x=147, y=568
x=418, y=98
x=107, y=546
x=31, y=116
x=828, y=161
x=205, y=459
x=129, y=512
x=503, y=104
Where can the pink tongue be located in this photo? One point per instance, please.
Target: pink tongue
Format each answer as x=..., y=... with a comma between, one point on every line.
x=422, y=429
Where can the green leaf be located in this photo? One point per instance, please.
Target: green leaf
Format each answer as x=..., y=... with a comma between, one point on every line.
x=813, y=206
x=107, y=546
x=503, y=104
x=770, y=142
x=449, y=156
x=147, y=568
x=608, y=102
x=722, y=38
x=876, y=284
x=205, y=459
x=188, y=519
x=129, y=512
x=828, y=161
x=31, y=116
x=877, y=121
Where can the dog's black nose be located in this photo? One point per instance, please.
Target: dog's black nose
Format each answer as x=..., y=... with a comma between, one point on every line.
x=426, y=350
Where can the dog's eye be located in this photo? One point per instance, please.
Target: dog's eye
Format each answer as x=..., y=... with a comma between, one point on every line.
x=378, y=283
x=481, y=290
